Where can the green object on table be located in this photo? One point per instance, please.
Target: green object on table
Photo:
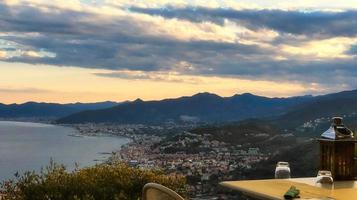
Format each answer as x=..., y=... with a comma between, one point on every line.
x=292, y=193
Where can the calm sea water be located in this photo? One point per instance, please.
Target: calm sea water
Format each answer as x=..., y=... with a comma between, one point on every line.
x=29, y=146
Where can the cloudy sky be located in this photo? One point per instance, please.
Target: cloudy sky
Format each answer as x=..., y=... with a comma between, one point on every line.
x=87, y=50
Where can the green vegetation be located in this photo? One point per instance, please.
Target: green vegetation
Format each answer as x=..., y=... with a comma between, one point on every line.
x=101, y=182
x=242, y=132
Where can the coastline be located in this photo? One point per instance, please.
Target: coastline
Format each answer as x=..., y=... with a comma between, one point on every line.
x=52, y=141
x=80, y=132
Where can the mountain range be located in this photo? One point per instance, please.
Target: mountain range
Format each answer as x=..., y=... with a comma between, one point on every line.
x=202, y=107
x=34, y=110
x=207, y=107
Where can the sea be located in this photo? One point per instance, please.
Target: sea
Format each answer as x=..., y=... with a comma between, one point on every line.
x=26, y=146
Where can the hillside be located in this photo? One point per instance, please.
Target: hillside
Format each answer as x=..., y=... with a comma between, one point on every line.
x=33, y=110
x=244, y=132
x=314, y=116
x=301, y=157
x=202, y=107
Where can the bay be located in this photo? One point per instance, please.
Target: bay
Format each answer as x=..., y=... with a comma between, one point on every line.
x=30, y=146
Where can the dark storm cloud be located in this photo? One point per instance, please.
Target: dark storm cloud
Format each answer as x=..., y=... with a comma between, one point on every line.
x=118, y=53
x=317, y=23
x=77, y=41
x=29, y=19
x=325, y=72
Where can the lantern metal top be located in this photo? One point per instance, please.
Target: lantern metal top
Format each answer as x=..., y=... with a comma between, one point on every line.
x=337, y=130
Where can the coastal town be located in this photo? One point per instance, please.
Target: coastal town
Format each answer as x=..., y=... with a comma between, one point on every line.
x=203, y=160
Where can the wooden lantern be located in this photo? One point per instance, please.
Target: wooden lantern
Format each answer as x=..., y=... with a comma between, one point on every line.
x=338, y=157
x=337, y=151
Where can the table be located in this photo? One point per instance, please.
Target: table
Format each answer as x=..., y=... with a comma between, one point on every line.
x=274, y=189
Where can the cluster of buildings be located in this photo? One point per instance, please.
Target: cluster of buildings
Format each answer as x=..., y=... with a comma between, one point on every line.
x=129, y=130
x=204, y=161
x=313, y=124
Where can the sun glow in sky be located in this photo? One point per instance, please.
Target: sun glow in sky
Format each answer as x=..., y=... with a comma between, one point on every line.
x=88, y=51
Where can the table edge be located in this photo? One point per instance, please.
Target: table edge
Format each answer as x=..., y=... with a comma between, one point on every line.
x=240, y=189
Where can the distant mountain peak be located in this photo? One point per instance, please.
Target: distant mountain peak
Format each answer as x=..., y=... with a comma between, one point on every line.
x=247, y=96
x=30, y=103
x=138, y=100
x=205, y=94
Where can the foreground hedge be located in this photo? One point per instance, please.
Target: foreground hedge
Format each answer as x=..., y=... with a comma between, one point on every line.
x=101, y=182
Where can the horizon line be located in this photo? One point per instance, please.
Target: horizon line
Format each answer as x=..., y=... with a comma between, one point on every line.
x=167, y=98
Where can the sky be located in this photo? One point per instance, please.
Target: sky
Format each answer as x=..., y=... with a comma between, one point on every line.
x=89, y=51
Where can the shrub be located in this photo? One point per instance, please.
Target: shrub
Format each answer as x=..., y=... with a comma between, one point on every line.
x=101, y=182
